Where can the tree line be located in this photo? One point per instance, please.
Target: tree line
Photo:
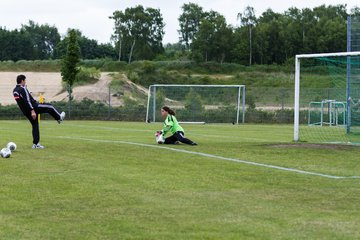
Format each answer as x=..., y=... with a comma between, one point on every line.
x=271, y=38
x=43, y=42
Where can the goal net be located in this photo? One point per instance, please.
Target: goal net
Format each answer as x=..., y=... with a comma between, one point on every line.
x=198, y=103
x=327, y=98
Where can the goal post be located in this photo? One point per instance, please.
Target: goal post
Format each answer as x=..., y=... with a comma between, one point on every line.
x=327, y=97
x=196, y=103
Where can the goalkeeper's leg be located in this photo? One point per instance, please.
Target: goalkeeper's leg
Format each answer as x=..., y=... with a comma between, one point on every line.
x=171, y=140
x=181, y=137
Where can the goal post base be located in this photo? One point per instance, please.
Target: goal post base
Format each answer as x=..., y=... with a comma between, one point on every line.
x=192, y=122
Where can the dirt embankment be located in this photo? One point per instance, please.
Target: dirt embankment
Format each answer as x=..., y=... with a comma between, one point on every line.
x=48, y=83
x=50, y=86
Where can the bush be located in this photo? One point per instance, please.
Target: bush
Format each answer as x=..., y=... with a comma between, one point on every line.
x=114, y=66
x=87, y=76
x=10, y=112
x=93, y=63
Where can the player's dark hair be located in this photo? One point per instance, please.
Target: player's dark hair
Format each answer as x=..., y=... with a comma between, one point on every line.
x=169, y=110
x=19, y=78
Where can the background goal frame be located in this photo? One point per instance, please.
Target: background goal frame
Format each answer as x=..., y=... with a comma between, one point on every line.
x=240, y=100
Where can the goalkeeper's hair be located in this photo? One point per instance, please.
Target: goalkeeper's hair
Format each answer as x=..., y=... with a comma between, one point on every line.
x=169, y=110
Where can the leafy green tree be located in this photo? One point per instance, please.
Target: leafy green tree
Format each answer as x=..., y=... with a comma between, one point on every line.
x=31, y=42
x=355, y=11
x=193, y=102
x=308, y=32
x=15, y=45
x=117, y=39
x=194, y=108
x=213, y=41
x=202, y=42
x=331, y=28
x=44, y=39
x=240, y=48
x=139, y=27
x=248, y=19
x=89, y=48
x=120, y=29
x=160, y=101
x=69, y=66
x=293, y=32
x=173, y=51
x=270, y=36
x=189, y=22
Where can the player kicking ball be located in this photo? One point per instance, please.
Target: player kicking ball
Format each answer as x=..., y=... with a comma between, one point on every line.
x=31, y=109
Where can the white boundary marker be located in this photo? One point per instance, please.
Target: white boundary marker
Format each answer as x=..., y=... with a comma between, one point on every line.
x=215, y=156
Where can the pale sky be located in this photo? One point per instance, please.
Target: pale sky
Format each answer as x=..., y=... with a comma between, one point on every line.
x=91, y=17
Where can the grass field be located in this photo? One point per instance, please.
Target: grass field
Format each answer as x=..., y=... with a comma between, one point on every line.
x=109, y=180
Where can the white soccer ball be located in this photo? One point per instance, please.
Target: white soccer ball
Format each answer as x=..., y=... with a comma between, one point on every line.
x=5, y=152
x=11, y=146
x=159, y=138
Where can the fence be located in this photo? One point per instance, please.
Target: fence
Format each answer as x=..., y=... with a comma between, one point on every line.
x=263, y=105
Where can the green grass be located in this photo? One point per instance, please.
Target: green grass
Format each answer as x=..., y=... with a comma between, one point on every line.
x=92, y=182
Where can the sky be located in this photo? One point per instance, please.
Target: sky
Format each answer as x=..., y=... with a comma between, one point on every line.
x=91, y=17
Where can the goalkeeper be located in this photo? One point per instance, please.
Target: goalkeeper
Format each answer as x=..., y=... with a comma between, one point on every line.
x=171, y=125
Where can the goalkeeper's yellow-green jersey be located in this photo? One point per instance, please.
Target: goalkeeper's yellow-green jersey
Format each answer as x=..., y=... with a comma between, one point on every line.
x=171, y=124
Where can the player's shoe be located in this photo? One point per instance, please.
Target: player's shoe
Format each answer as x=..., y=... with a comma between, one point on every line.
x=38, y=146
x=62, y=117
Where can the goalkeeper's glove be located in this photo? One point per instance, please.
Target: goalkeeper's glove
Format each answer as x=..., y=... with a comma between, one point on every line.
x=158, y=133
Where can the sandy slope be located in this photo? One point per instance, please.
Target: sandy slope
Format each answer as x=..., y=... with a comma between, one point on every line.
x=49, y=84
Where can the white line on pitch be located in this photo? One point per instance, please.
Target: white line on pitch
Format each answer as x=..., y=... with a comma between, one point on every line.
x=215, y=156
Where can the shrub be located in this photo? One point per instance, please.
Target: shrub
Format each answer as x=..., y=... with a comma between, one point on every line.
x=87, y=76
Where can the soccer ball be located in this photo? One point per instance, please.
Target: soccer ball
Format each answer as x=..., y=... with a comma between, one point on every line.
x=5, y=152
x=159, y=137
x=11, y=146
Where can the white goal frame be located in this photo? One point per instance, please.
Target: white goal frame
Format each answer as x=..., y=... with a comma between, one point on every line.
x=297, y=84
x=240, y=98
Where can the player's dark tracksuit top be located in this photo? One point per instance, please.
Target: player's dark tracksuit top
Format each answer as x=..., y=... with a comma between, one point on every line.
x=24, y=100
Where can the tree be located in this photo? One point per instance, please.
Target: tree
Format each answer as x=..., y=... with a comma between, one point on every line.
x=15, y=45
x=120, y=27
x=69, y=66
x=248, y=19
x=139, y=27
x=222, y=37
x=213, y=40
x=270, y=34
x=293, y=32
x=89, y=48
x=202, y=42
x=355, y=11
x=44, y=39
x=331, y=28
x=194, y=104
x=173, y=51
x=117, y=39
x=189, y=22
